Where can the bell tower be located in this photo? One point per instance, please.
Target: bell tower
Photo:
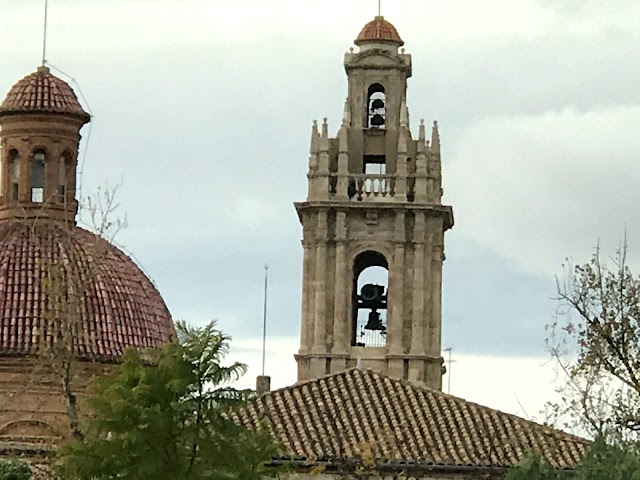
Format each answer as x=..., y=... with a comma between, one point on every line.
x=373, y=228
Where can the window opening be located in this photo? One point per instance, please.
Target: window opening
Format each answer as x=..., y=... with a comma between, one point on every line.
x=370, y=287
x=375, y=165
x=376, y=106
x=37, y=176
x=13, y=175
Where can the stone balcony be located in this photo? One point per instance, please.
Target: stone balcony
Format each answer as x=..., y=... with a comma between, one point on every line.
x=375, y=187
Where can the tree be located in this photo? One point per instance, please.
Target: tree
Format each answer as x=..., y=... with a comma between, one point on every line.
x=14, y=470
x=164, y=415
x=595, y=339
x=602, y=461
x=66, y=286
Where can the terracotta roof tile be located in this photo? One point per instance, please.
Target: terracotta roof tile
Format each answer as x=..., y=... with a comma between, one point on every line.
x=379, y=30
x=42, y=92
x=119, y=306
x=329, y=418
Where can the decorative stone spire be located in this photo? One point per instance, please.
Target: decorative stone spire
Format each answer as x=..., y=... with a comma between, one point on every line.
x=346, y=116
x=404, y=114
x=343, y=139
x=315, y=137
x=402, y=141
x=435, y=138
x=422, y=136
x=324, y=138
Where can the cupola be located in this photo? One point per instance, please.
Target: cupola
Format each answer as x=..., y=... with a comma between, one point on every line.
x=379, y=31
x=40, y=119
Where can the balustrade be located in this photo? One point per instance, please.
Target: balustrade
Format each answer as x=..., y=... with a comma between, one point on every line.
x=364, y=187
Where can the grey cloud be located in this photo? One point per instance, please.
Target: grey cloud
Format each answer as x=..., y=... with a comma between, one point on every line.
x=211, y=141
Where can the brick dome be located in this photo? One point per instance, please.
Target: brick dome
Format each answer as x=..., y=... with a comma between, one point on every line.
x=42, y=92
x=117, y=305
x=379, y=30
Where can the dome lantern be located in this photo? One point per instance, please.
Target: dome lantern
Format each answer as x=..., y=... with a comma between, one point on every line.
x=41, y=119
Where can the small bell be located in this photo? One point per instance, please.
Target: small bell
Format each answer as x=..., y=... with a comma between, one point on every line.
x=374, y=322
x=377, y=104
x=377, y=120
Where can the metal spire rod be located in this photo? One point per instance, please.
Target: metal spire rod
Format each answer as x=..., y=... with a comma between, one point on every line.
x=449, y=361
x=44, y=37
x=264, y=317
x=379, y=8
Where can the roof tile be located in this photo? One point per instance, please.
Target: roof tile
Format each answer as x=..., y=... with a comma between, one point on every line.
x=379, y=30
x=42, y=92
x=331, y=417
x=119, y=305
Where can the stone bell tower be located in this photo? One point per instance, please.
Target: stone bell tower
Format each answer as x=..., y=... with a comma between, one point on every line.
x=374, y=203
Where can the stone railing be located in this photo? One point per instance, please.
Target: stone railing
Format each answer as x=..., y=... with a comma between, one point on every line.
x=363, y=187
x=366, y=186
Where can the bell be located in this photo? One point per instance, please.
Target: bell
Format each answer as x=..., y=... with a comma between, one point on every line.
x=374, y=322
x=377, y=103
x=377, y=120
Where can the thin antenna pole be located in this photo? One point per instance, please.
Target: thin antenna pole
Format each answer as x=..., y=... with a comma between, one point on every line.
x=264, y=317
x=379, y=8
x=44, y=37
x=449, y=362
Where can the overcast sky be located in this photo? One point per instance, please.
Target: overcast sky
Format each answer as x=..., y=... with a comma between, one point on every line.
x=202, y=109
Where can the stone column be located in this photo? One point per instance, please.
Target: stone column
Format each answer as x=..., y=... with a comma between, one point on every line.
x=418, y=317
x=341, y=288
x=320, y=327
x=307, y=314
x=436, y=301
x=395, y=314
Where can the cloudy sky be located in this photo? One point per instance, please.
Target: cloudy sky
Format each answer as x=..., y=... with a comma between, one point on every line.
x=203, y=108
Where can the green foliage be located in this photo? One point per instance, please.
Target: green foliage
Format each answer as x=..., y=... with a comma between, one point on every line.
x=609, y=462
x=602, y=462
x=167, y=416
x=14, y=470
x=532, y=467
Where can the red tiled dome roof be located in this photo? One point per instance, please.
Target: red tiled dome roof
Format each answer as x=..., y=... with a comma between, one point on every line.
x=118, y=305
x=42, y=92
x=379, y=30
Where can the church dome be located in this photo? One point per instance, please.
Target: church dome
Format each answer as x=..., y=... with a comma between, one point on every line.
x=52, y=273
x=379, y=30
x=42, y=92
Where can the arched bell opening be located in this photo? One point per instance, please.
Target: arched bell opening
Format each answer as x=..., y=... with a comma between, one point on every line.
x=13, y=180
x=376, y=106
x=370, y=287
x=38, y=175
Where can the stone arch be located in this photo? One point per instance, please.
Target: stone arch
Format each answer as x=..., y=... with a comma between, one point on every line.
x=370, y=286
x=38, y=174
x=13, y=174
x=28, y=428
x=376, y=105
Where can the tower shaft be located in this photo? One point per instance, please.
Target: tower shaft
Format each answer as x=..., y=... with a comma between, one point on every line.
x=373, y=228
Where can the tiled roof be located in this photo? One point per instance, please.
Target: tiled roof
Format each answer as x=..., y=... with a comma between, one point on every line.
x=119, y=306
x=333, y=417
x=42, y=92
x=379, y=30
